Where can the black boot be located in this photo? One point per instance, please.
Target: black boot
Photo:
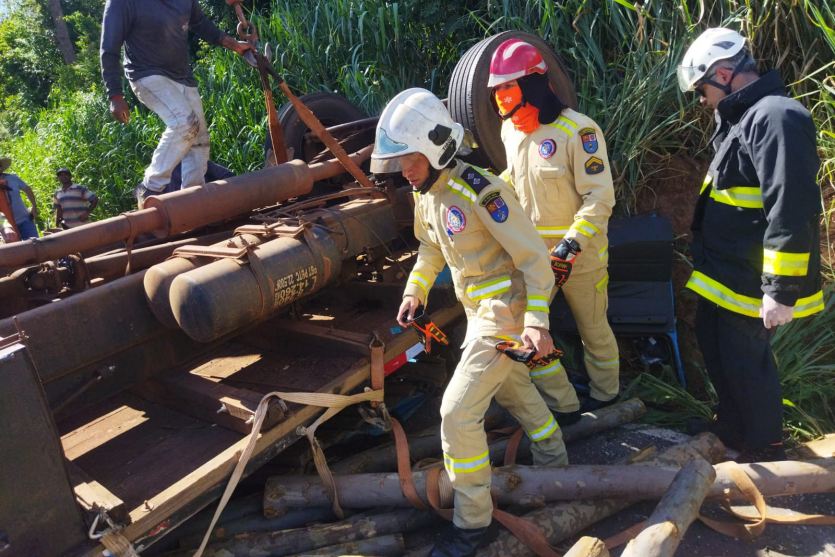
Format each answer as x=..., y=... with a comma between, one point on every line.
x=567, y=418
x=459, y=542
x=592, y=404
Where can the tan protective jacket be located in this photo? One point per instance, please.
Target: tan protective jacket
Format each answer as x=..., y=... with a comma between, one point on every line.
x=472, y=221
x=563, y=179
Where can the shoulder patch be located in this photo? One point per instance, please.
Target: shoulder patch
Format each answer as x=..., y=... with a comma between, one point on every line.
x=589, y=138
x=496, y=206
x=594, y=165
x=475, y=179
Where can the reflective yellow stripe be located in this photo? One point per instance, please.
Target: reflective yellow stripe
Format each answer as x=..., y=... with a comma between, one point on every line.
x=724, y=297
x=585, y=228
x=747, y=197
x=552, y=231
x=602, y=283
x=537, y=303
x=568, y=121
x=462, y=189
x=742, y=196
x=565, y=125
x=809, y=305
x=785, y=263
x=506, y=176
x=489, y=288
x=603, y=253
x=547, y=370
x=419, y=280
x=467, y=465
x=544, y=432
x=613, y=363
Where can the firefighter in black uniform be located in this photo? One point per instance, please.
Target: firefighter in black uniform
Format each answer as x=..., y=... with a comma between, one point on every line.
x=755, y=235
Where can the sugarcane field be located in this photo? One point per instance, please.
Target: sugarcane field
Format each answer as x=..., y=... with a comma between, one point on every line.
x=417, y=278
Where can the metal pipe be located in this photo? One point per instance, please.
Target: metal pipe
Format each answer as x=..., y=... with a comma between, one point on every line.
x=181, y=211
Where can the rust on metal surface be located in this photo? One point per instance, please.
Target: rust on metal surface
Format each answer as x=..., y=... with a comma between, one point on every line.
x=180, y=211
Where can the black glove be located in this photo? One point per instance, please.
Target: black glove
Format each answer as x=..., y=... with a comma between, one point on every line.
x=562, y=259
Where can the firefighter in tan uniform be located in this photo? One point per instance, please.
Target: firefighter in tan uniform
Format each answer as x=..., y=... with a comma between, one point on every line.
x=557, y=164
x=470, y=220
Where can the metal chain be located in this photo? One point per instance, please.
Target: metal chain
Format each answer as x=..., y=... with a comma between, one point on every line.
x=246, y=31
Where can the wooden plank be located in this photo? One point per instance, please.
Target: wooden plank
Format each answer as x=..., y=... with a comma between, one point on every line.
x=92, y=496
x=208, y=400
x=152, y=519
x=352, y=341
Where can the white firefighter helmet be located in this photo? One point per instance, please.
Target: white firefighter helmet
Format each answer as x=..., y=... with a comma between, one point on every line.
x=415, y=121
x=715, y=44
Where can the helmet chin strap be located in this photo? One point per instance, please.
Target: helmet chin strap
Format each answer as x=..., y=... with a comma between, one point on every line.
x=726, y=87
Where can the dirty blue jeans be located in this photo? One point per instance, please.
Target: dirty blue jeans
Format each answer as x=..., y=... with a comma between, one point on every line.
x=186, y=136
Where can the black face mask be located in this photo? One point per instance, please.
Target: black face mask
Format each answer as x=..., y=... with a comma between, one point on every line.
x=536, y=90
x=434, y=173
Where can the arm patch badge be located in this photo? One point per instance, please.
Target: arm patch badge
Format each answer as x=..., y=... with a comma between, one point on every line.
x=455, y=220
x=589, y=138
x=594, y=165
x=547, y=148
x=496, y=206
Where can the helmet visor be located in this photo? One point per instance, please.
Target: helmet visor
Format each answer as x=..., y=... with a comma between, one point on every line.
x=387, y=153
x=688, y=76
x=386, y=147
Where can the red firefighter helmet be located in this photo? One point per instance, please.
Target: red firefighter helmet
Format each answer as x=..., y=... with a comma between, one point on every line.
x=513, y=59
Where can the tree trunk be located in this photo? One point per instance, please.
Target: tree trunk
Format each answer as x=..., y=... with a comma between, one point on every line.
x=563, y=520
x=384, y=459
x=62, y=33
x=535, y=486
x=307, y=540
x=588, y=547
x=675, y=513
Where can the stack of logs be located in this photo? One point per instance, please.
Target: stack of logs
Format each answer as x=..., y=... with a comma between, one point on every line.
x=561, y=502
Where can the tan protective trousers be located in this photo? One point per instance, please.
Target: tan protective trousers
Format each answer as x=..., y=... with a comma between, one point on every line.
x=588, y=299
x=484, y=373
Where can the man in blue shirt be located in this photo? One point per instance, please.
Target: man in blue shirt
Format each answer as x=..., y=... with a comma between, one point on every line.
x=155, y=37
x=11, y=186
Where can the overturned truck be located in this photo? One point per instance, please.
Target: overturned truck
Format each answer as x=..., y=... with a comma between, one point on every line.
x=135, y=350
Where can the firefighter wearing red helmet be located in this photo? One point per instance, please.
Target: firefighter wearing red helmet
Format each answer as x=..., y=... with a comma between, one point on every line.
x=557, y=163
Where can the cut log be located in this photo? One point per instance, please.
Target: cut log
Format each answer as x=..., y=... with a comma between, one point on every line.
x=588, y=547
x=303, y=540
x=227, y=528
x=382, y=546
x=535, y=486
x=384, y=459
x=563, y=520
x=675, y=513
x=590, y=424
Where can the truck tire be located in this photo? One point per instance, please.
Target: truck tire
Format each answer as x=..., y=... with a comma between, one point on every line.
x=469, y=98
x=330, y=108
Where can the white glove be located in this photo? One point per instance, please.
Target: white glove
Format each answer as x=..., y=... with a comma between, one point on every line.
x=774, y=313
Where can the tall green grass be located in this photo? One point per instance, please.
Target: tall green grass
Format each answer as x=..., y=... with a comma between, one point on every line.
x=621, y=55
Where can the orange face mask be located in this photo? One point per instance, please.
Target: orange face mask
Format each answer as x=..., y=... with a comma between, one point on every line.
x=525, y=117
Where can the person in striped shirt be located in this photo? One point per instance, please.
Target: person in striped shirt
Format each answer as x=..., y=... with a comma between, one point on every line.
x=73, y=203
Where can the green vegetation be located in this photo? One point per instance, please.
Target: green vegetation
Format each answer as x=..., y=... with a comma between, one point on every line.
x=621, y=56
x=805, y=351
